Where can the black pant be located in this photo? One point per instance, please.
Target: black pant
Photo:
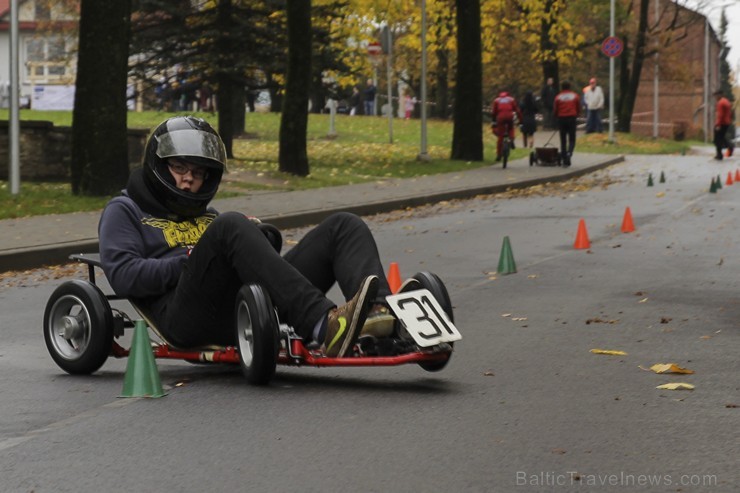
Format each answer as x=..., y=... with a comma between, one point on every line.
x=567, y=127
x=233, y=251
x=720, y=138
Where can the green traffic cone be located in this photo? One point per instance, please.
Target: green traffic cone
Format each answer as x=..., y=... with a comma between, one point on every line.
x=650, y=180
x=719, y=183
x=506, y=264
x=142, y=375
x=662, y=177
x=713, y=187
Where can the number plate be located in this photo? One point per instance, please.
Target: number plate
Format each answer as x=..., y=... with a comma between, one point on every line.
x=423, y=317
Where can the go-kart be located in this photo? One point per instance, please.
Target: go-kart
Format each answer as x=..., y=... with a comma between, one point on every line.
x=81, y=328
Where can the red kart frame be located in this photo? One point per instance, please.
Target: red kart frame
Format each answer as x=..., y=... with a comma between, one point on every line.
x=80, y=328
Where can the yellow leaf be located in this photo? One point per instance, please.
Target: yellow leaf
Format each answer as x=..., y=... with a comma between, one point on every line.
x=670, y=368
x=676, y=386
x=609, y=352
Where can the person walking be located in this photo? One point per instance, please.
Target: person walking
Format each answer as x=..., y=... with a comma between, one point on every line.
x=594, y=99
x=547, y=96
x=722, y=122
x=529, y=119
x=369, y=97
x=566, y=108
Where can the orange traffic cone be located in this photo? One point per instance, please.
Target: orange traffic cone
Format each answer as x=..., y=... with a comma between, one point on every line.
x=729, y=178
x=737, y=175
x=627, y=225
x=582, y=236
x=394, y=277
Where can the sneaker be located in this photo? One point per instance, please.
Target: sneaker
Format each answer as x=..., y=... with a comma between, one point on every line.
x=718, y=157
x=379, y=322
x=409, y=284
x=730, y=150
x=343, y=323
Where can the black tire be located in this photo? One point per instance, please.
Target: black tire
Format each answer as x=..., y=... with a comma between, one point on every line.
x=505, y=151
x=257, y=334
x=532, y=158
x=434, y=284
x=78, y=327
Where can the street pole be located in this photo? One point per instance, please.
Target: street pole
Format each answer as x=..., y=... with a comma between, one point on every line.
x=656, y=100
x=611, y=80
x=14, y=127
x=389, y=65
x=423, y=156
x=706, y=79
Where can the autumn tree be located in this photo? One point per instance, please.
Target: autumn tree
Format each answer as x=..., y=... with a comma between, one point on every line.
x=293, y=156
x=467, y=134
x=99, y=161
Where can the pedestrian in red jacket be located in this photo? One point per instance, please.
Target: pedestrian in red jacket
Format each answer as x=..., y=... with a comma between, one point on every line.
x=566, y=108
x=722, y=122
x=503, y=109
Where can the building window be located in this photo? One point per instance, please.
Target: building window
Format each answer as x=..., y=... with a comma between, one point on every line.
x=45, y=59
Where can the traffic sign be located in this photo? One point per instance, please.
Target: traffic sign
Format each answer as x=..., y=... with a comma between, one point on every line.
x=374, y=48
x=612, y=46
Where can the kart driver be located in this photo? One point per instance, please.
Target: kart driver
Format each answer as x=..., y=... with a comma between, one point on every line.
x=503, y=109
x=163, y=247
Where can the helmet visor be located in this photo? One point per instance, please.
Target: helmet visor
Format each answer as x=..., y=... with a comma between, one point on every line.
x=192, y=143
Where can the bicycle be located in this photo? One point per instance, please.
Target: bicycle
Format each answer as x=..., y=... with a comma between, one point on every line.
x=507, y=143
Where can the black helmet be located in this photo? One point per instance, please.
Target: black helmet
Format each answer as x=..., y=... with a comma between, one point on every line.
x=194, y=140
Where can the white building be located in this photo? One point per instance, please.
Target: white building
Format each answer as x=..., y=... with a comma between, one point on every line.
x=46, y=47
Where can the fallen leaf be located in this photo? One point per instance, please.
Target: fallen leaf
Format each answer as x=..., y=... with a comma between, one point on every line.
x=644, y=300
x=532, y=276
x=732, y=406
x=609, y=352
x=675, y=386
x=488, y=373
x=506, y=314
x=670, y=368
x=660, y=194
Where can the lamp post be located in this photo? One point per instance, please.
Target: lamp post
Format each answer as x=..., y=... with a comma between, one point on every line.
x=14, y=126
x=611, y=78
x=423, y=156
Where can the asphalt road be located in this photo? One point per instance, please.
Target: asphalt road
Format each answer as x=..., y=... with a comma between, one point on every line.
x=524, y=405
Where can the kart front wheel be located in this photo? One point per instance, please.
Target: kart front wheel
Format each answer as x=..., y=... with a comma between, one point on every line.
x=434, y=284
x=256, y=334
x=78, y=327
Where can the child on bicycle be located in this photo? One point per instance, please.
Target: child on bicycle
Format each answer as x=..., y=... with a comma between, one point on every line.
x=503, y=109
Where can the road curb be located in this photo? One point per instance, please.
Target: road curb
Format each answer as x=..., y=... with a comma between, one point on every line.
x=56, y=254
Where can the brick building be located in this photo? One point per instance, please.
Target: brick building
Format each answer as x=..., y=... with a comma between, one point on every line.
x=686, y=81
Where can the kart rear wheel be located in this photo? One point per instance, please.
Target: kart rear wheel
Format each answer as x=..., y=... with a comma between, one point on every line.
x=434, y=284
x=532, y=158
x=78, y=327
x=256, y=334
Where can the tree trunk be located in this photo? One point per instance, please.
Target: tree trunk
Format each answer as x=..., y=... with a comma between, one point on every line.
x=467, y=134
x=442, y=93
x=240, y=109
x=550, y=66
x=99, y=129
x=629, y=93
x=225, y=95
x=226, y=89
x=293, y=157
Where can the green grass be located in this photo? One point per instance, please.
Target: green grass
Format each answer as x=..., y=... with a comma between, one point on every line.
x=360, y=152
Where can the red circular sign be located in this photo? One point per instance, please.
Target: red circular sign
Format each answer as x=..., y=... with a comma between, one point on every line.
x=374, y=48
x=612, y=46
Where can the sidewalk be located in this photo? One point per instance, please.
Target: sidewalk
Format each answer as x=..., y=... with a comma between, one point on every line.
x=33, y=242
